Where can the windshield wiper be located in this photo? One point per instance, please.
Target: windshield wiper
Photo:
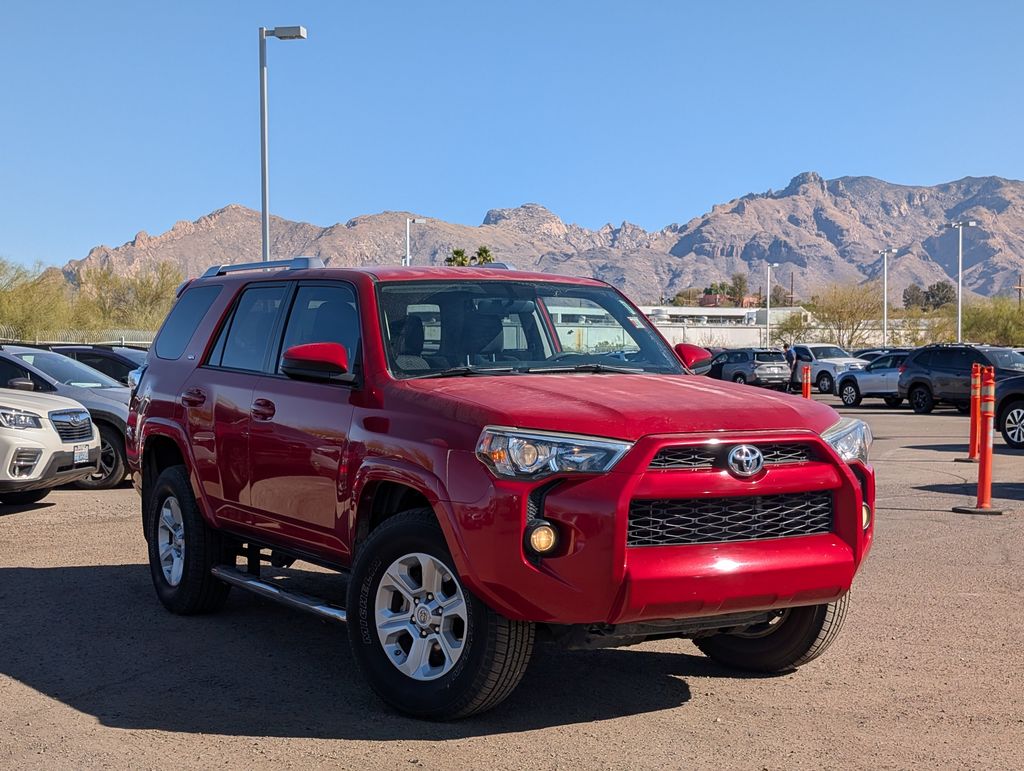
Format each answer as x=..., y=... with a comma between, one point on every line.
x=465, y=371
x=588, y=368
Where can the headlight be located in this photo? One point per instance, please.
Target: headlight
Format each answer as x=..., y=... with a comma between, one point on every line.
x=12, y=418
x=535, y=454
x=850, y=438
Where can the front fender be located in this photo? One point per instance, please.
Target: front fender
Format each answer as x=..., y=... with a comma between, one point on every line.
x=157, y=427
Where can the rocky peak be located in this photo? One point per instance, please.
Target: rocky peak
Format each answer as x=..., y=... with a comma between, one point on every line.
x=530, y=218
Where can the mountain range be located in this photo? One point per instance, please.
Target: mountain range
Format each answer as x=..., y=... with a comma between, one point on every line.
x=819, y=231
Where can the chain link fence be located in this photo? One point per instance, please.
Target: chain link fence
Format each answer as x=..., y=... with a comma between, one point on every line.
x=133, y=337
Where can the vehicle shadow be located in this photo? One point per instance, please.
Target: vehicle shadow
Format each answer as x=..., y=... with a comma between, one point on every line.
x=1013, y=491
x=5, y=509
x=96, y=639
x=956, y=447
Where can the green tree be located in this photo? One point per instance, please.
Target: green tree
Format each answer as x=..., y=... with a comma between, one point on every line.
x=913, y=297
x=738, y=288
x=940, y=293
x=458, y=258
x=847, y=312
x=999, y=321
x=483, y=256
x=780, y=296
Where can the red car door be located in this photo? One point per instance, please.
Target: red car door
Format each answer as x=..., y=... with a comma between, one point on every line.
x=217, y=400
x=299, y=430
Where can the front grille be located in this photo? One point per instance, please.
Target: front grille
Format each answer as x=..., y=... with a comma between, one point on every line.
x=669, y=522
x=24, y=462
x=713, y=456
x=72, y=425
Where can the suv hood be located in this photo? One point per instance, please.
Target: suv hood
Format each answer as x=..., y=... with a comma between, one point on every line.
x=851, y=361
x=114, y=400
x=38, y=403
x=616, y=405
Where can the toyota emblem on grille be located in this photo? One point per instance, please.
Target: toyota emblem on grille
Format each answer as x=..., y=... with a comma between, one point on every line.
x=745, y=460
x=77, y=420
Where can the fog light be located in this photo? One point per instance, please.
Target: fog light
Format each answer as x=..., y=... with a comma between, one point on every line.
x=542, y=537
x=865, y=515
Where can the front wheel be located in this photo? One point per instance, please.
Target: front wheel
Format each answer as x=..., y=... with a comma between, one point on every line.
x=849, y=393
x=740, y=378
x=1013, y=426
x=425, y=643
x=825, y=383
x=790, y=639
x=113, y=465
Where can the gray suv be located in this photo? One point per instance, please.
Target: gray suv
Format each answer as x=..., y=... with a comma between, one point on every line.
x=757, y=366
x=32, y=369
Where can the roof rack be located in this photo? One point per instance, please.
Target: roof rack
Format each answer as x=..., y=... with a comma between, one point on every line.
x=296, y=263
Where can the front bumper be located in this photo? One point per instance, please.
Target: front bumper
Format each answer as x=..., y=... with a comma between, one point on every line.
x=59, y=470
x=597, y=578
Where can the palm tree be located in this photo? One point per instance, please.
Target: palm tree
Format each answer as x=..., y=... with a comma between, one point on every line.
x=483, y=256
x=457, y=258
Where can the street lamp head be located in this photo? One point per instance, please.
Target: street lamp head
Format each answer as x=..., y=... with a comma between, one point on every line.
x=773, y=264
x=418, y=221
x=287, y=33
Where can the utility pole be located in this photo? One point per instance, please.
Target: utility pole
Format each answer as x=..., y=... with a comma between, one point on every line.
x=960, y=225
x=885, y=291
x=410, y=221
x=1020, y=289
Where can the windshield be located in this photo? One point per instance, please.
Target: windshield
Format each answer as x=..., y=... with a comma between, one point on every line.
x=1005, y=358
x=132, y=354
x=829, y=352
x=769, y=356
x=67, y=371
x=433, y=328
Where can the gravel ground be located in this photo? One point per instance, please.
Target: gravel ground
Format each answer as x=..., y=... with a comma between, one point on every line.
x=928, y=670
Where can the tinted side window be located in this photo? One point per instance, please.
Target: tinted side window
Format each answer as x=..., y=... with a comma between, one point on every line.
x=882, y=362
x=10, y=371
x=802, y=354
x=324, y=314
x=947, y=358
x=102, y=364
x=923, y=359
x=245, y=341
x=182, y=321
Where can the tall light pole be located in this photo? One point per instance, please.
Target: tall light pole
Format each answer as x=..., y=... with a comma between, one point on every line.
x=281, y=33
x=410, y=221
x=960, y=225
x=768, y=304
x=885, y=291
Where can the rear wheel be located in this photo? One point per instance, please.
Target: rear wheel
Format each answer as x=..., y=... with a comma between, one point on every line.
x=1013, y=425
x=24, y=498
x=825, y=383
x=849, y=393
x=740, y=378
x=921, y=400
x=182, y=548
x=425, y=643
x=790, y=639
x=893, y=401
x=112, y=466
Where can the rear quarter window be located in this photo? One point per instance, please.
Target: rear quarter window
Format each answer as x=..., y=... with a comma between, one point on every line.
x=182, y=321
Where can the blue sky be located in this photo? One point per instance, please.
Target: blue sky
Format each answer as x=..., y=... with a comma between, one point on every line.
x=120, y=117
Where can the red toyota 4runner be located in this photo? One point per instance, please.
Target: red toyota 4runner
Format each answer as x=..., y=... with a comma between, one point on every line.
x=493, y=458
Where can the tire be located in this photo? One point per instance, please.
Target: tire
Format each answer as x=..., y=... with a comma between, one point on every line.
x=493, y=651
x=188, y=588
x=963, y=409
x=800, y=635
x=893, y=401
x=849, y=393
x=921, y=400
x=739, y=378
x=825, y=383
x=1012, y=426
x=113, y=464
x=24, y=498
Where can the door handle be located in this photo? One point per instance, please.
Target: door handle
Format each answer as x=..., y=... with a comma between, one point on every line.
x=193, y=397
x=263, y=409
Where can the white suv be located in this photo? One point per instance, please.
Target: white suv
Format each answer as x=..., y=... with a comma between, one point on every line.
x=827, y=363
x=45, y=441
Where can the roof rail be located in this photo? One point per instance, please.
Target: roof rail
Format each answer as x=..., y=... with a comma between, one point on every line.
x=296, y=263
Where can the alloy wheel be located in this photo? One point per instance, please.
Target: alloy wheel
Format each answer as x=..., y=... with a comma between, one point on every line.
x=421, y=616
x=849, y=394
x=108, y=459
x=170, y=533
x=1013, y=425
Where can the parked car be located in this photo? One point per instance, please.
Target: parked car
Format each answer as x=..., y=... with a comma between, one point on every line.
x=756, y=366
x=480, y=481
x=879, y=379
x=1010, y=411
x=827, y=362
x=942, y=373
x=115, y=361
x=870, y=354
x=45, y=441
x=105, y=398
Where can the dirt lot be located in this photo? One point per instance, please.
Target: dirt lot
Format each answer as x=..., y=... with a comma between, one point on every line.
x=928, y=671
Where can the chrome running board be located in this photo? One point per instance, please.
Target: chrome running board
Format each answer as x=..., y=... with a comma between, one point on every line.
x=295, y=600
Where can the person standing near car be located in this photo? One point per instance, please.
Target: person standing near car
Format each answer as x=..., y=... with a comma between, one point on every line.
x=787, y=351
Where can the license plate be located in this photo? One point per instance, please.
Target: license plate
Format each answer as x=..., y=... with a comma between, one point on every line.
x=81, y=453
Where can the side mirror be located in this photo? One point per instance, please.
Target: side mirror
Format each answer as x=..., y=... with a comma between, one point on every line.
x=690, y=354
x=21, y=384
x=317, y=362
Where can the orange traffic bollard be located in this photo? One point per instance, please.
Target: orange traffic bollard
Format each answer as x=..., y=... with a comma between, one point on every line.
x=805, y=381
x=987, y=422
x=975, y=440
